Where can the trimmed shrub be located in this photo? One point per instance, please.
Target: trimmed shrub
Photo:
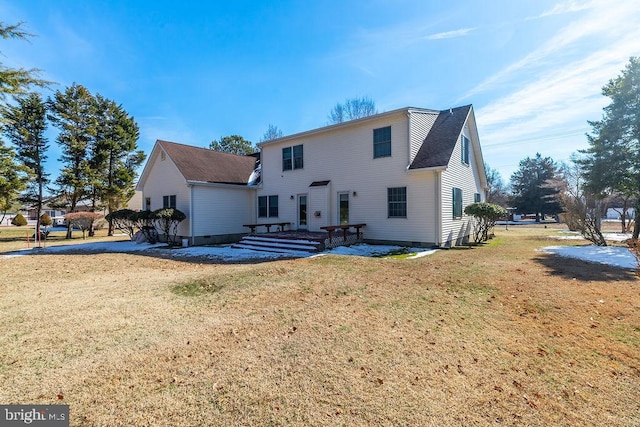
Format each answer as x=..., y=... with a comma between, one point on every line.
x=485, y=215
x=83, y=220
x=145, y=221
x=19, y=220
x=124, y=220
x=45, y=220
x=168, y=220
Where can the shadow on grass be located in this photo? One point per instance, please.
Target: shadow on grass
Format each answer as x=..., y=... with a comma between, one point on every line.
x=570, y=268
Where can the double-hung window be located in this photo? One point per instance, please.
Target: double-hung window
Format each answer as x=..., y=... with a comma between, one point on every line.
x=397, y=202
x=382, y=142
x=465, y=150
x=457, y=203
x=169, y=202
x=267, y=206
x=292, y=158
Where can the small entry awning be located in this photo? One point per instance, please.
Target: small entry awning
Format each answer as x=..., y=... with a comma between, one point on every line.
x=320, y=183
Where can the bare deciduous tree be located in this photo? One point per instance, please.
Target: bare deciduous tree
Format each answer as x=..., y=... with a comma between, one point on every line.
x=581, y=210
x=351, y=109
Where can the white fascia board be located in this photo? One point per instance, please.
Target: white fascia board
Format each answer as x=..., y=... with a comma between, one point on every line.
x=431, y=169
x=219, y=185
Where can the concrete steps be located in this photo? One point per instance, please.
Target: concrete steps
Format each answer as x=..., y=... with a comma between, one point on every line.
x=278, y=244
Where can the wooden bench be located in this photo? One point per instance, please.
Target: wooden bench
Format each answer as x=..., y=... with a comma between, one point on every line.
x=345, y=229
x=267, y=225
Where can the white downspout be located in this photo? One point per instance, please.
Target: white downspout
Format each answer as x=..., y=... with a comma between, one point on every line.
x=409, y=159
x=438, y=207
x=191, y=216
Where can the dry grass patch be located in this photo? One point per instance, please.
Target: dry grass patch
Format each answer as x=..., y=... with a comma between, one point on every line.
x=498, y=334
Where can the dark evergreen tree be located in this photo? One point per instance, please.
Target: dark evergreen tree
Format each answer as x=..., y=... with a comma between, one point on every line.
x=73, y=112
x=25, y=128
x=17, y=81
x=611, y=164
x=12, y=181
x=234, y=144
x=114, y=157
x=531, y=192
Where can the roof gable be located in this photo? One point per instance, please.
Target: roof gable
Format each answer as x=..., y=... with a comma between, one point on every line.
x=439, y=143
x=205, y=165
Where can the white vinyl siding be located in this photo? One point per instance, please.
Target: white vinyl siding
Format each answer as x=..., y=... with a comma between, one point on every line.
x=466, y=178
x=218, y=210
x=339, y=161
x=340, y=156
x=320, y=205
x=165, y=179
x=335, y=154
x=222, y=210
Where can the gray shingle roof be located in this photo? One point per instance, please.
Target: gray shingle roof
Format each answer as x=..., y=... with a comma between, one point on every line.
x=440, y=141
x=204, y=165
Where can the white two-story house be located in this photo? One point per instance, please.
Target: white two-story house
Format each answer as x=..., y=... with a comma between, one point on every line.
x=407, y=174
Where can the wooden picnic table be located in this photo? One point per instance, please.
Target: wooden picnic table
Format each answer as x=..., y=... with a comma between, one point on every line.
x=267, y=225
x=345, y=229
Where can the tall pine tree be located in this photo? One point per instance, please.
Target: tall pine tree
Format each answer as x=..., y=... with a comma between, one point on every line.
x=611, y=164
x=73, y=112
x=115, y=157
x=25, y=128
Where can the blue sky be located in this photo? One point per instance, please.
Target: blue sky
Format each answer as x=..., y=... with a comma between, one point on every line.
x=192, y=72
